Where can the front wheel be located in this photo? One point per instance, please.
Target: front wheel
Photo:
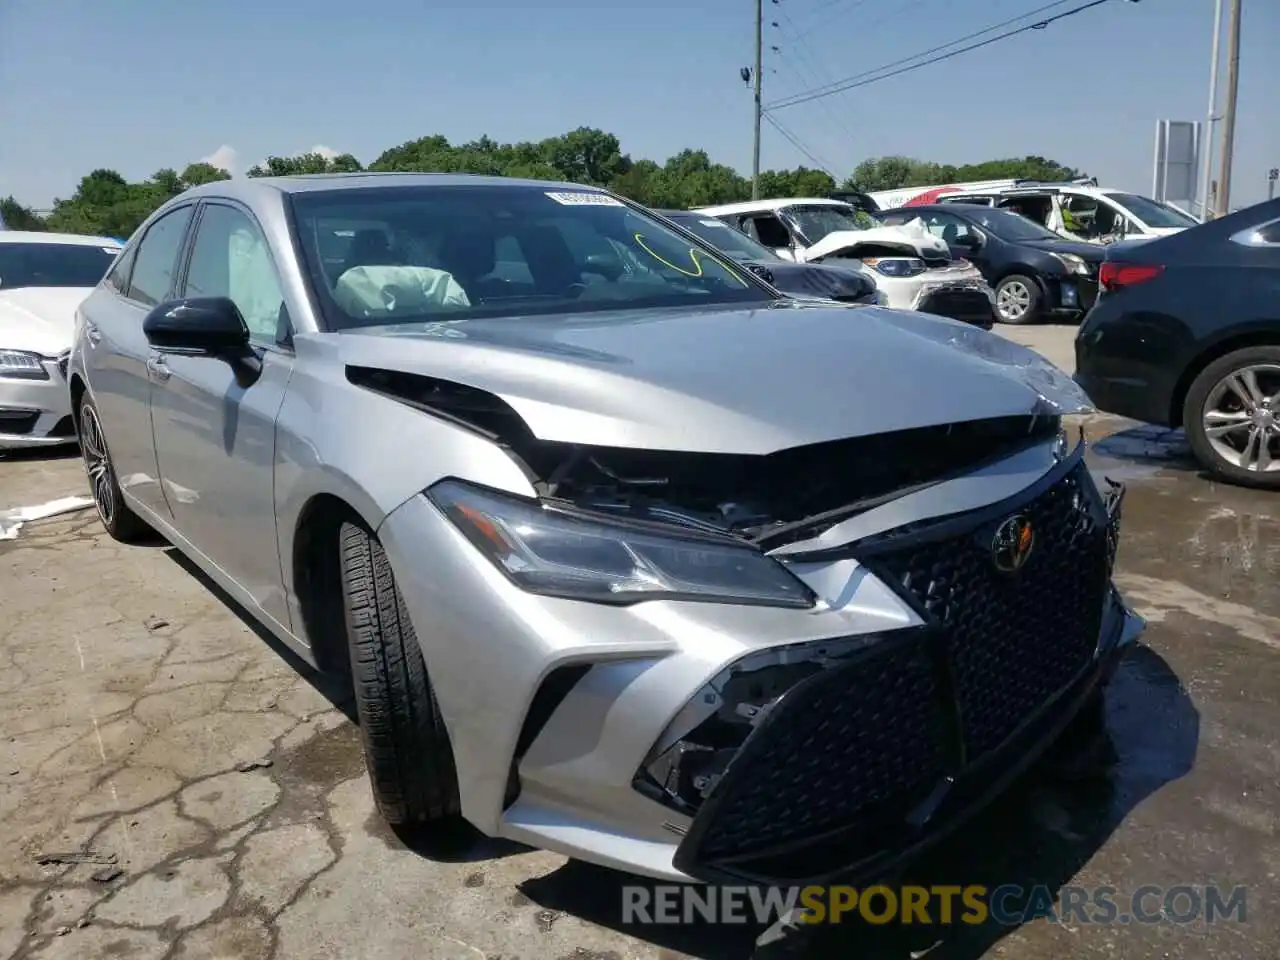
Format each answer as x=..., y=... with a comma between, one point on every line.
x=1017, y=300
x=120, y=522
x=1232, y=417
x=406, y=746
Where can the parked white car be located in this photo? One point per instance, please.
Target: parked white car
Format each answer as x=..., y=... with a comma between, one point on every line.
x=911, y=267
x=44, y=277
x=1090, y=214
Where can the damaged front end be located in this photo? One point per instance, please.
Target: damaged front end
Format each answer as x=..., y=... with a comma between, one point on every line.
x=763, y=501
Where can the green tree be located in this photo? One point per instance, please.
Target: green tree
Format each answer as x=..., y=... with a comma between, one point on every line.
x=17, y=217
x=199, y=173
x=896, y=172
x=305, y=163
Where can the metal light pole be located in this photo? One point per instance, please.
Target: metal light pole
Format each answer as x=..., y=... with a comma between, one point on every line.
x=755, y=151
x=1212, y=116
x=1229, y=109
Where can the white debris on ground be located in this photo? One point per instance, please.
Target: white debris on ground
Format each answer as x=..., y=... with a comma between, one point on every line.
x=12, y=519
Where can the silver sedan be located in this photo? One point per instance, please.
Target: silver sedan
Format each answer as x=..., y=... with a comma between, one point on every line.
x=626, y=554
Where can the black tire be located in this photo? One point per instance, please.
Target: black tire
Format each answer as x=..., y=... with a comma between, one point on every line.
x=406, y=746
x=1008, y=286
x=1193, y=409
x=118, y=520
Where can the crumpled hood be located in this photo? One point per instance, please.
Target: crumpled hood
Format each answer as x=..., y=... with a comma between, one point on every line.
x=748, y=381
x=39, y=319
x=913, y=235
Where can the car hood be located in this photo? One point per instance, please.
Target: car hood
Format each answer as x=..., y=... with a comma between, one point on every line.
x=39, y=319
x=747, y=381
x=1089, y=252
x=910, y=237
x=814, y=279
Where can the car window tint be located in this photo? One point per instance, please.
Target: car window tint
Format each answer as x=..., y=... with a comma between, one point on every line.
x=42, y=264
x=231, y=258
x=118, y=275
x=157, y=257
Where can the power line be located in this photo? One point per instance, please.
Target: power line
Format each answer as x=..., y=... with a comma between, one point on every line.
x=876, y=74
x=815, y=68
x=815, y=24
x=795, y=142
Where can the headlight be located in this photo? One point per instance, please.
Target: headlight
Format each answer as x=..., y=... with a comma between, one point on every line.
x=20, y=365
x=1072, y=263
x=563, y=554
x=896, y=266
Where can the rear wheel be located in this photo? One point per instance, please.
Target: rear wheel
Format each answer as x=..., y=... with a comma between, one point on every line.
x=1017, y=300
x=121, y=522
x=406, y=746
x=1232, y=417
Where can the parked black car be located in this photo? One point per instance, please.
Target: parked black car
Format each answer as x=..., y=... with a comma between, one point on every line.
x=1186, y=333
x=1035, y=273
x=796, y=279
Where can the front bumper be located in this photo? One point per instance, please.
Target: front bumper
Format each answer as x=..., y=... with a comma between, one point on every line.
x=554, y=706
x=36, y=413
x=1070, y=297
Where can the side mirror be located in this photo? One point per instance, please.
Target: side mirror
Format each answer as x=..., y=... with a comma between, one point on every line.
x=209, y=325
x=606, y=265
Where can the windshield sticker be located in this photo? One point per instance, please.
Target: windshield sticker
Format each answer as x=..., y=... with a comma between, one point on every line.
x=584, y=199
x=713, y=223
x=112, y=250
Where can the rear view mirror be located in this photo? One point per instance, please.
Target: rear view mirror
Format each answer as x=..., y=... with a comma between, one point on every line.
x=607, y=265
x=211, y=325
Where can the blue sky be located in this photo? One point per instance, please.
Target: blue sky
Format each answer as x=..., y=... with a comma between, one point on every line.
x=137, y=85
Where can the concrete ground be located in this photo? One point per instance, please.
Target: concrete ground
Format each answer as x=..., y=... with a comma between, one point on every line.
x=172, y=785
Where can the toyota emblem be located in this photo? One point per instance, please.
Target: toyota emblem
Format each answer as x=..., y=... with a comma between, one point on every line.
x=1012, y=544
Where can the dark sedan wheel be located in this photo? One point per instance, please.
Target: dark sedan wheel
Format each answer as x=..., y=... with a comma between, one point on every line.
x=406, y=746
x=1232, y=417
x=121, y=522
x=1017, y=300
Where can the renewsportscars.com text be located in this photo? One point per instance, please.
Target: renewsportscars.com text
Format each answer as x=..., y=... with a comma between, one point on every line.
x=1010, y=905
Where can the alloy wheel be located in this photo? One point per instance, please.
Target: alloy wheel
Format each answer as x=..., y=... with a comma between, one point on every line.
x=1013, y=301
x=1241, y=417
x=97, y=465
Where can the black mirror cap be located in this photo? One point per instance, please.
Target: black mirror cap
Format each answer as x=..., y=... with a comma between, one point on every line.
x=197, y=324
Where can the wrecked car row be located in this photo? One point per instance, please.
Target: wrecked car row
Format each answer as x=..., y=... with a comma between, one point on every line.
x=626, y=554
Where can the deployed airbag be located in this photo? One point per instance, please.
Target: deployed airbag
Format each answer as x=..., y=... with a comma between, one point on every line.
x=389, y=291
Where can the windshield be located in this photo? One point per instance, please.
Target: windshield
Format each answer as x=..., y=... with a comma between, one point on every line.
x=1150, y=212
x=815, y=222
x=53, y=264
x=406, y=254
x=1010, y=226
x=731, y=242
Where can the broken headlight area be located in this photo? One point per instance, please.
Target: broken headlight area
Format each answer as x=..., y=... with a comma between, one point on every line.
x=685, y=765
x=545, y=549
x=785, y=496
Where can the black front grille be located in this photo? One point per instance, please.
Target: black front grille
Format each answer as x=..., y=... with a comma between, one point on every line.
x=1014, y=639
x=844, y=759
x=853, y=744
x=18, y=422
x=970, y=306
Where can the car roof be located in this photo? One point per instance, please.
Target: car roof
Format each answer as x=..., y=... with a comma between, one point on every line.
x=250, y=187
x=65, y=239
x=762, y=206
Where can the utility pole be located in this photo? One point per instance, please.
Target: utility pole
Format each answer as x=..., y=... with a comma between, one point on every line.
x=755, y=154
x=1229, y=110
x=1206, y=212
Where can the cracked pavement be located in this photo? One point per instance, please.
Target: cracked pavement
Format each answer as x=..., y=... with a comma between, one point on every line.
x=216, y=786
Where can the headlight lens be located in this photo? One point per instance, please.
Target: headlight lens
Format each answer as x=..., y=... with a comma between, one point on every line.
x=1073, y=263
x=20, y=365
x=896, y=266
x=555, y=553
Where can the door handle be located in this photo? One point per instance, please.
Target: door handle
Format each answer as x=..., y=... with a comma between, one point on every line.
x=92, y=334
x=157, y=370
